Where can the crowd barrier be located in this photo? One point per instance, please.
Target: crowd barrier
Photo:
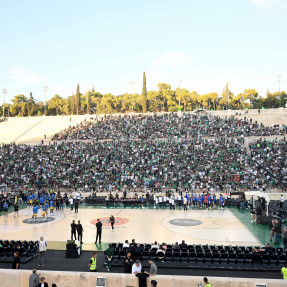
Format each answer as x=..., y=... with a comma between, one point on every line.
x=20, y=278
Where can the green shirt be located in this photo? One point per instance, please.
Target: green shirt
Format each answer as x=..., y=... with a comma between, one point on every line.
x=153, y=269
x=109, y=252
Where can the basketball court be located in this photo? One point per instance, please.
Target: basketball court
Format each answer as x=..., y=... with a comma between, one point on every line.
x=143, y=225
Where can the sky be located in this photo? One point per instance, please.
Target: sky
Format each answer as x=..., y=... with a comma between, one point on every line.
x=199, y=45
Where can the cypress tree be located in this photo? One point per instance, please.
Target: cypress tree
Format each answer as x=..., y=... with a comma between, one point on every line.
x=78, y=99
x=144, y=94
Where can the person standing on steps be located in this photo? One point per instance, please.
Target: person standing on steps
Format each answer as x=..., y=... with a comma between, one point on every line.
x=42, y=251
x=34, y=279
x=80, y=231
x=16, y=260
x=112, y=221
x=99, y=231
x=73, y=230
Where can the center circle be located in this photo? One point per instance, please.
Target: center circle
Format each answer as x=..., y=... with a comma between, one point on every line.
x=38, y=220
x=106, y=221
x=185, y=222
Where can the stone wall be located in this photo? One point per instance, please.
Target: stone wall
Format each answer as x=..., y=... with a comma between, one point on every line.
x=15, y=278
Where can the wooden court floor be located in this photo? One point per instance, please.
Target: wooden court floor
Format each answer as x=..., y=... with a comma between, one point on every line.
x=143, y=225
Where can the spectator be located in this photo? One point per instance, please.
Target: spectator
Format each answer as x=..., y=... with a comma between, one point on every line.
x=137, y=267
x=142, y=278
x=42, y=251
x=284, y=237
x=282, y=201
x=33, y=279
x=183, y=245
x=43, y=283
x=266, y=248
x=153, y=268
x=109, y=257
x=128, y=263
x=133, y=243
x=155, y=245
x=126, y=244
x=16, y=260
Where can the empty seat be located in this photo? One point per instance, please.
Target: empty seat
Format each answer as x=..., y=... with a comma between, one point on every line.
x=282, y=259
x=192, y=257
x=208, y=258
x=184, y=257
x=256, y=260
x=168, y=256
x=216, y=257
x=240, y=258
x=2, y=252
x=224, y=259
x=176, y=256
x=152, y=255
x=265, y=259
x=145, y=255
x=232, y=258
x=200, y=258
x=122, y=254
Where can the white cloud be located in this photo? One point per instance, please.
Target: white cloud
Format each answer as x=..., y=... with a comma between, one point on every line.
x=270, y=6
x=24, y=75
x=172, y=59
x=63, y=91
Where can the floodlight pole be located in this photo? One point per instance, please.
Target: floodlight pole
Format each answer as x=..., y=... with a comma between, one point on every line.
x=279, y=80
x=132, y=86
x=228, y=82
x=4, y=93
x=45, y=89
x=179, y=82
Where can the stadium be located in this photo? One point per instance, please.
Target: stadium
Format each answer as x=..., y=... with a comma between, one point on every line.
x=150, y=183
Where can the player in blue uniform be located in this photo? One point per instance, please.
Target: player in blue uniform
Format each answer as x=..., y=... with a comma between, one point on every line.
x=222, y=201
x=35, y=211
x=199, y=201
x=46, y=207
x=51, y=207
x=5, y=206
x=195, y=200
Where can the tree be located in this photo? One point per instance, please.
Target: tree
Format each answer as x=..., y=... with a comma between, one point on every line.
x=144, y=108
x=88, y=101
x=56, y=105
x=168, y=96
x=226, y=99
x=19, y=106
x=182, y=96
x=78, y=99
x=31, y=105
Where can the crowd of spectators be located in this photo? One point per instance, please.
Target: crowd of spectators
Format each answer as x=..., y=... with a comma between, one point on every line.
x=168, y=126
x=197, y=164
x=158, y=153
x=270, y=157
